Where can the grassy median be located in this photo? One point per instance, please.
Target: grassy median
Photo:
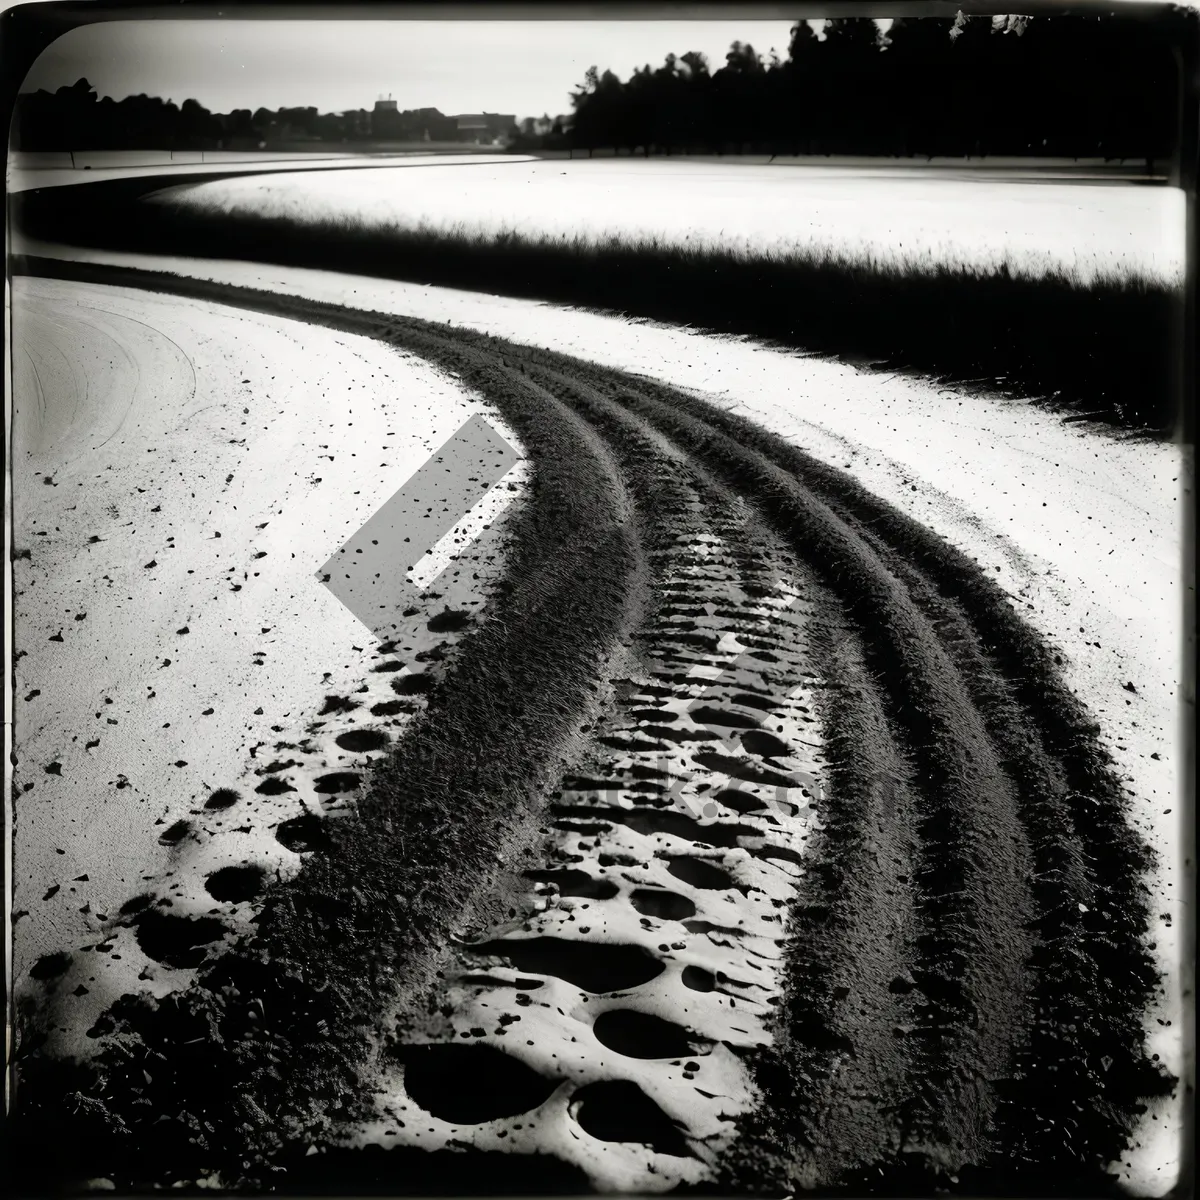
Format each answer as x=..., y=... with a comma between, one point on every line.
x=1108, y=350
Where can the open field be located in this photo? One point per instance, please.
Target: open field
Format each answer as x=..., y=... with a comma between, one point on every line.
x=757, y=691
x=1077, y=303
x=914, y=218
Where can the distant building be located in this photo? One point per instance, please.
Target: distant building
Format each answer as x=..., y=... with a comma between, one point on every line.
x=411, y=125
x=356, y=123
x=485, y=129
x=430, y=125
x=385, y=120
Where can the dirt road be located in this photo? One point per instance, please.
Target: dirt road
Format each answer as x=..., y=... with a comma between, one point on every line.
x=741, y=761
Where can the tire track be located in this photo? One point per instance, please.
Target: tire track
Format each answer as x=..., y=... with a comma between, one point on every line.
x=972, y=864
x=674, y=875
x=960, y=985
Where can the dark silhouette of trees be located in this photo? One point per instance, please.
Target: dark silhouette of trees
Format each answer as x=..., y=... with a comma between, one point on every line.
x=669, y=106
x=1075, y=85
x=42, y=119
x=238, y=125
x=600, y=110
x=849, y=59
x=72, y=118
x=196, y=125
x=739, y=99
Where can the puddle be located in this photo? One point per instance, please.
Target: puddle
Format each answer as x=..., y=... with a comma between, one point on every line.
x=618, y=1110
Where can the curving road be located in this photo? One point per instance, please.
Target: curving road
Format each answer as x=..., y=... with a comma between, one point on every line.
x=740, y=760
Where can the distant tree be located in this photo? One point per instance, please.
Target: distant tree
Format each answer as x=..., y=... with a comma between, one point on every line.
x=798, y=90
x=971, y=79
x=585, y=100
x=197, y=126
x=851, y=34
x=296, y=122
x=917, y=60
x=599, y=106
x=262, y=121
x=240, y=123
x=697, y=99
x=850, y=57
x=671, y=108
x=738, y=96
x=802, y=42
x=635, y=106
x=65, y=119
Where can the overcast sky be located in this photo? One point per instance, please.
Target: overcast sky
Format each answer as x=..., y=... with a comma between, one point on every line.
x=525, y=68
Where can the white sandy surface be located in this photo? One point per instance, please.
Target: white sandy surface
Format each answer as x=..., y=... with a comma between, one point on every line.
x=217, y=458
x=1082, y=527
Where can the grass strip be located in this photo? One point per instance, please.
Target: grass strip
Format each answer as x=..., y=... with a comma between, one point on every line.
x=1111, y=348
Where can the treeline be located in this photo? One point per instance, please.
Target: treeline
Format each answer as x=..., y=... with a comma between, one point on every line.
x=1080, y=85
x=75, y=118
x=1063, y=86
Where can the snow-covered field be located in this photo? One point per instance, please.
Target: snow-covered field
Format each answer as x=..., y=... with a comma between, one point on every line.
x=30, y=170
x=1091, y=229
x=1083, y=527
x=181, y=471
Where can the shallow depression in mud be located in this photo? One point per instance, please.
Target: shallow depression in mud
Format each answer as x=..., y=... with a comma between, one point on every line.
x=305, y=833
x=619, y=1111
x=177, y=941
x=236, y=883
x=592, y=966
x=643, y=1035
x=471, y=1084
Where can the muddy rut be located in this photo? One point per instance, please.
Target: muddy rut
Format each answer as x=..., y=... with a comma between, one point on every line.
x=750, y=840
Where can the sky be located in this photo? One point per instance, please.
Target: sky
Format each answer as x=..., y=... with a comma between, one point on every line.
x=521, y=67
